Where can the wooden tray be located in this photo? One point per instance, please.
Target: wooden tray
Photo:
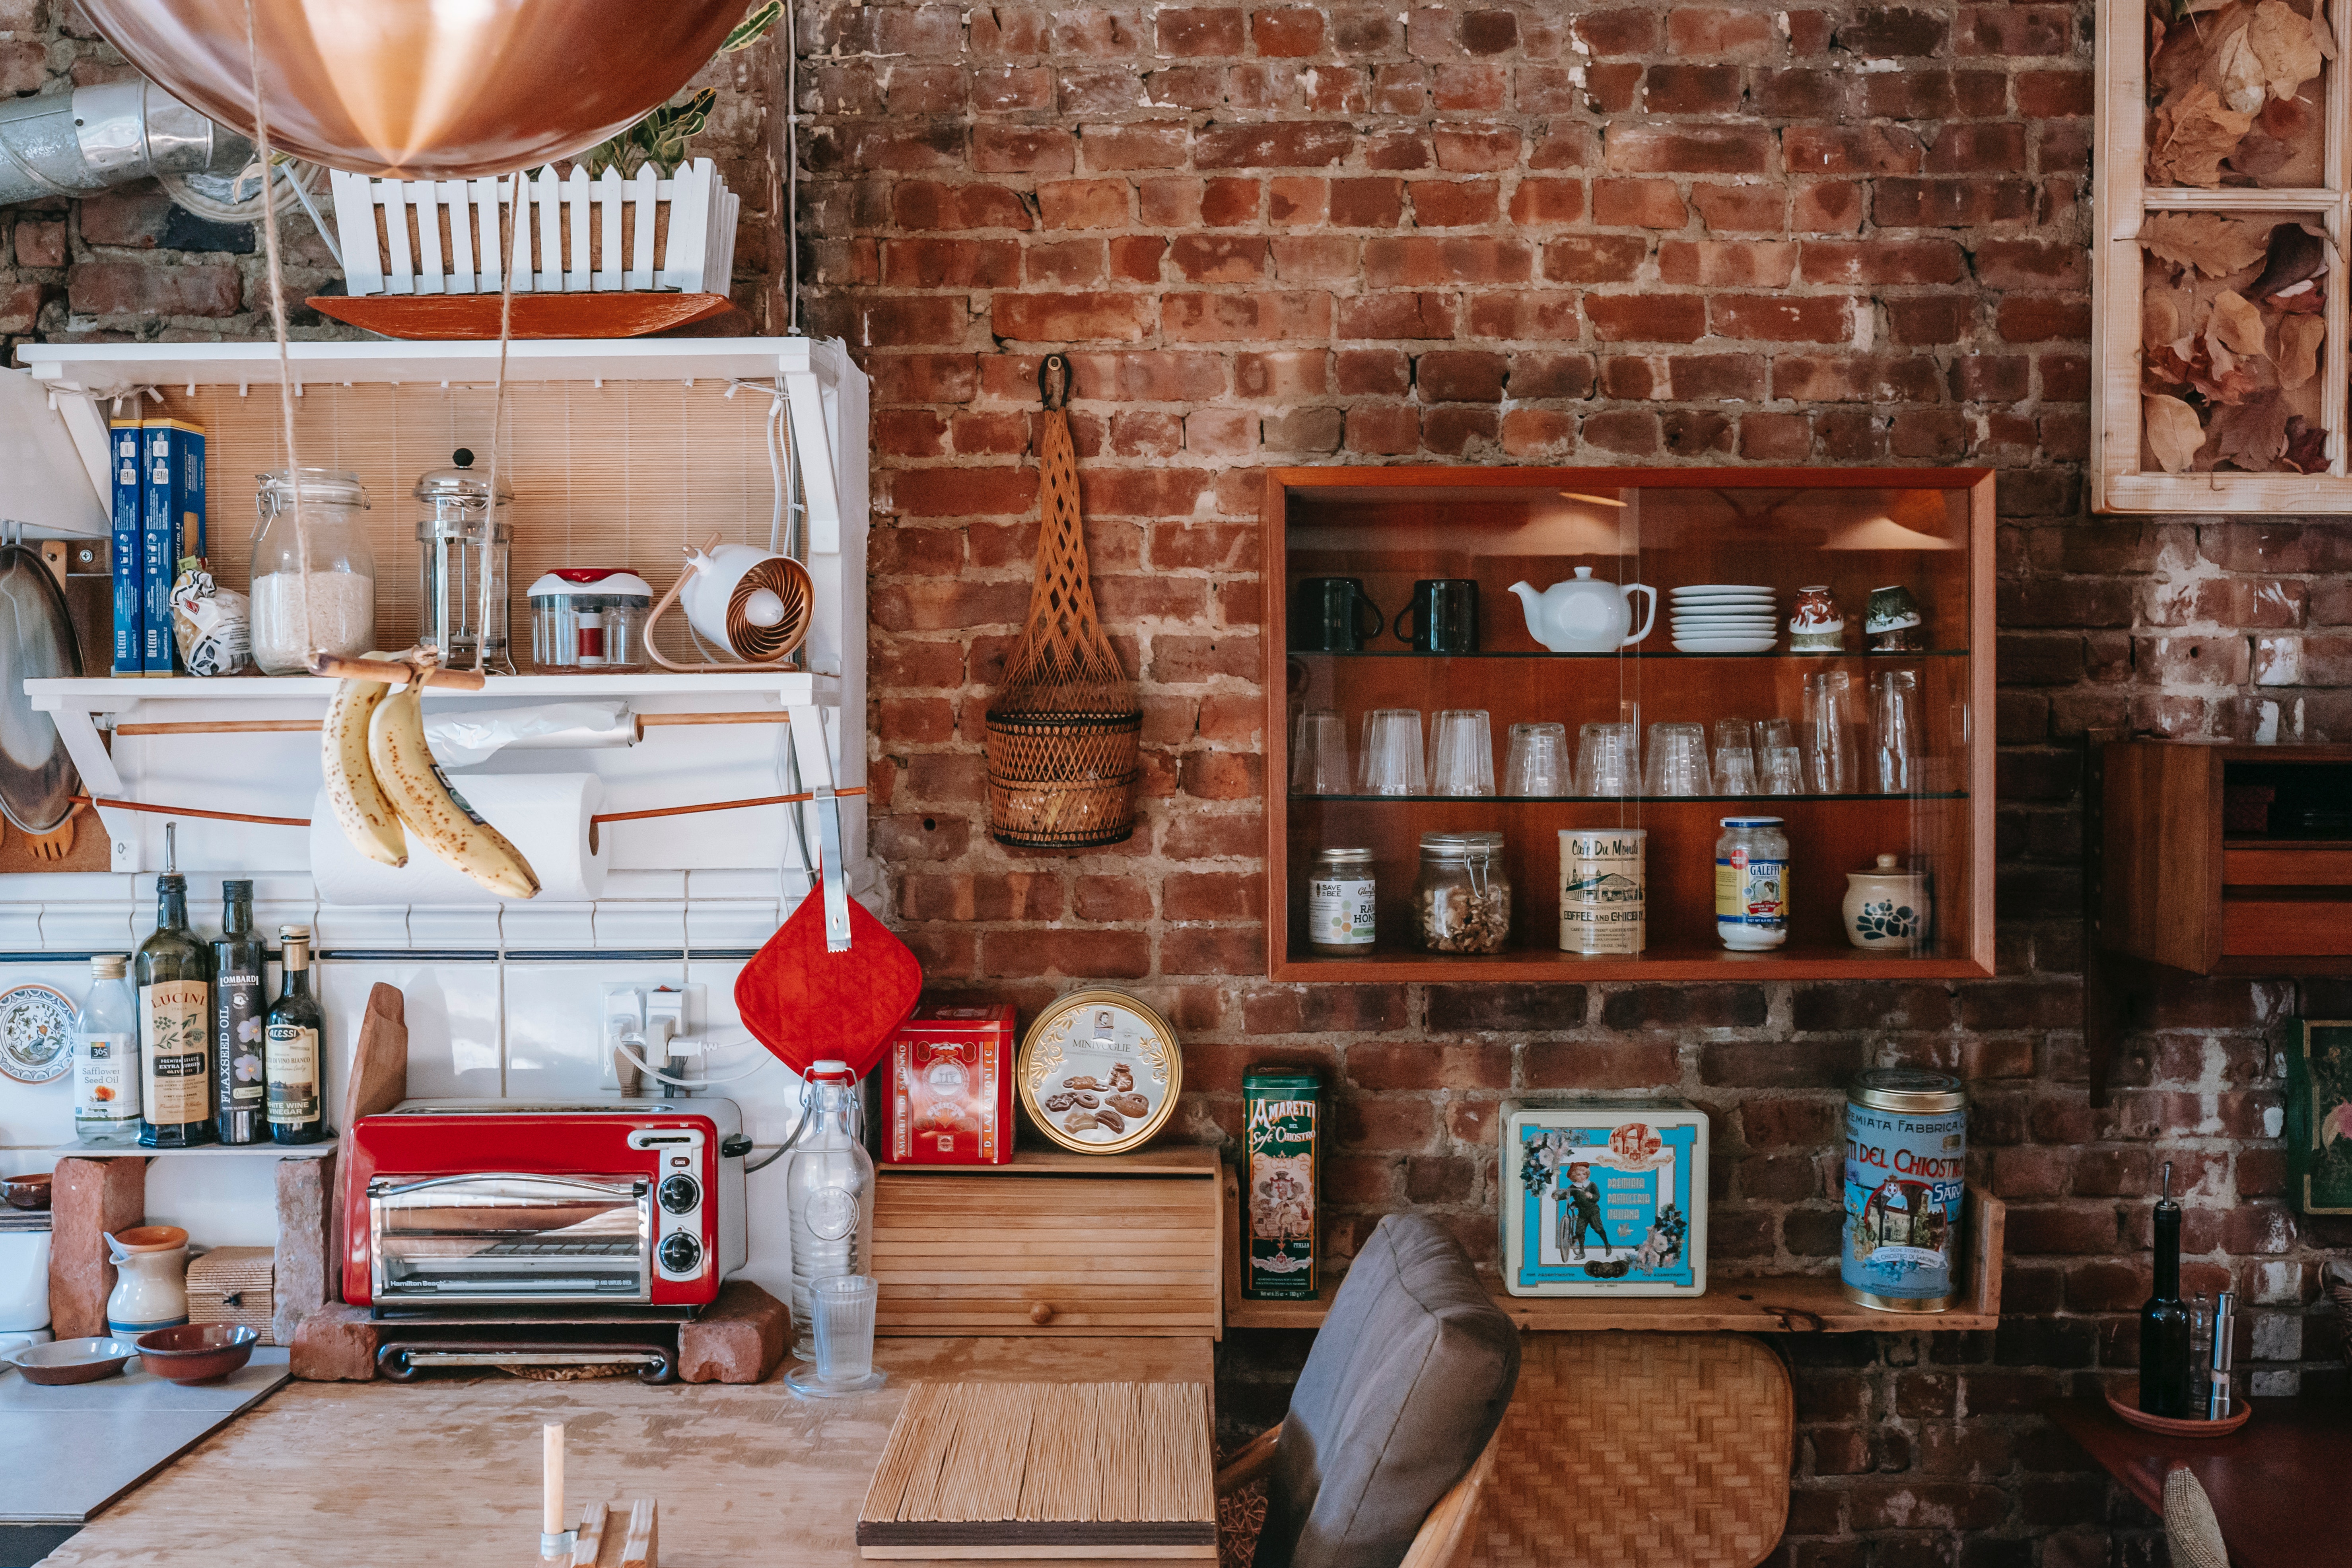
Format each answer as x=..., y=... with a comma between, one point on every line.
x=2171, y=1426
x=1044, y=1469
x=446, y=315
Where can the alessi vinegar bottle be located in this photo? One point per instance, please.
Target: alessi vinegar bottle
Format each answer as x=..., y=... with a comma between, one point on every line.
x=291, y=1049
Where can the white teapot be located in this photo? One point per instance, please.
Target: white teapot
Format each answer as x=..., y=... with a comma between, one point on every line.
x=1585, y=617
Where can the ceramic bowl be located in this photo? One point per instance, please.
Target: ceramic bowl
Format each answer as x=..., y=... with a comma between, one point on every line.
x=151, y=1238
x=72, y=1360
x=196, y=1353
x=30, y=1192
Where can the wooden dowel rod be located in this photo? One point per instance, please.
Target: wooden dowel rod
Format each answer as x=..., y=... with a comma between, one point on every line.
x=714, y=805
x=649, y=721
x=191, y=811
x=394, y=674
x=224, y=727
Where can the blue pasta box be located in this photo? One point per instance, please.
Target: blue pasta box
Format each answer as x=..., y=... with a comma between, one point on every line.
x=173, y=526
x=129, y=510
x=1604, y=1199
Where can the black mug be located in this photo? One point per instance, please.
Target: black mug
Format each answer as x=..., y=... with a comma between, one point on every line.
x=1330, y=615
x=1444, y=613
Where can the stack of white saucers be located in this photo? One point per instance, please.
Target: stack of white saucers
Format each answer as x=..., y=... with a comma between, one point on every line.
x=1725, y=618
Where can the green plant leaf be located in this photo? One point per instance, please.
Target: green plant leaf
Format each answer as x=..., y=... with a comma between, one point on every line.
x=753, y=28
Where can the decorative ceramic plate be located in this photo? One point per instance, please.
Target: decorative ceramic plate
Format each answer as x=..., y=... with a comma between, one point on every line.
x=1724, y=645
x=36, y=1033
x=1100, y=1072
x=1680, y=597
x=1722, y=588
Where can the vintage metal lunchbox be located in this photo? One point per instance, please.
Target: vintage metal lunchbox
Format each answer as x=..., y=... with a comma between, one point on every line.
x=1604, y=1199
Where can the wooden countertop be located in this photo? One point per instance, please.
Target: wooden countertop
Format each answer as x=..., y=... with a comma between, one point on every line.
x=447, y=1470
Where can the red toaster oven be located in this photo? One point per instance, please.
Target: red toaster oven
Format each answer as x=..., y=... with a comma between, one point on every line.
x=509, y=1203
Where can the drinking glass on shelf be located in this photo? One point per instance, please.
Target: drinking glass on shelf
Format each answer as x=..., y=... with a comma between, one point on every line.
x=1677, y=762
x=1780, y=770
x=1829, y=740
x=1390, y=759
x=1771, y=732
x=1461, y=754
x=1894, y=730
x=1735, y=757
x=1319, y=754
x=1538, y=761
x=843, y=1313
x=1608, y=761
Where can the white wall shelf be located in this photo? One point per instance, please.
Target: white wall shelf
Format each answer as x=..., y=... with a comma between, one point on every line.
x=208, y=1151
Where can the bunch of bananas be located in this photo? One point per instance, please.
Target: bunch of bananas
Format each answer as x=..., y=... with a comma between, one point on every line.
x=381, y=777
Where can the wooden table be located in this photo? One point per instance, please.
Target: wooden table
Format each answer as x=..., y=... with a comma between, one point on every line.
x=447, y=1470
x=2272, y=1481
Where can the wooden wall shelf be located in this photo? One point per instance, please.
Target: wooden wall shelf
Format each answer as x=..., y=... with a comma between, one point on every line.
x=1782, y=1304
x=1930, y=530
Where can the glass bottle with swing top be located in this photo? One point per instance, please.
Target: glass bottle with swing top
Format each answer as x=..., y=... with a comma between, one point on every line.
x=828, y=1193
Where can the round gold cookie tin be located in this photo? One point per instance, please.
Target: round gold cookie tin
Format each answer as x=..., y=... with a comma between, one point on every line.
x=1100, y=1072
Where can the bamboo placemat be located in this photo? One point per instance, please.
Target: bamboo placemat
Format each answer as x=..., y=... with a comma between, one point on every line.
x=1044, y=1469
x=1640, y=1448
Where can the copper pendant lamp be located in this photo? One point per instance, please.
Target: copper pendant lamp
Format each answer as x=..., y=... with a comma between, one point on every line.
x=423, y=89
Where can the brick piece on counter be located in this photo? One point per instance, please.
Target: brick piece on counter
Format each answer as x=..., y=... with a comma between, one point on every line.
x=335, y=1343
x=739, y=1338
x=305, y=1274
x=89, y=1197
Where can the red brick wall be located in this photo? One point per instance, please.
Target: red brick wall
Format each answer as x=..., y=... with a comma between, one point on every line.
x=1696, y=233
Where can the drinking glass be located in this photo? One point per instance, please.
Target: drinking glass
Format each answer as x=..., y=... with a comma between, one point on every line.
x=1537, y=762
x=1319, y=759
x=842, y=1308
x=1780, y=770
x=1771, y=732
x=1829, y=740
x=1677, y=762
x=1391, y=759
x=1608, y=761
x=1894, y=730
x=1462, y=753
x=1735, y=757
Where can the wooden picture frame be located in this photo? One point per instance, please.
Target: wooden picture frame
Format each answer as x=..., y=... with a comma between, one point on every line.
x=2319, y=1114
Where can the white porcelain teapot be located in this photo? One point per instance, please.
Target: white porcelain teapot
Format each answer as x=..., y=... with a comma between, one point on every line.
x=1585, y=617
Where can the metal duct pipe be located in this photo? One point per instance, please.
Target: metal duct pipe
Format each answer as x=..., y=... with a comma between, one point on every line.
x=71, y=143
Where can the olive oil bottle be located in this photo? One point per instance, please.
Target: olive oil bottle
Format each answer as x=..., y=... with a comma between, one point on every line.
x=297, y=1092
x=174, y=975
x=239, y=1003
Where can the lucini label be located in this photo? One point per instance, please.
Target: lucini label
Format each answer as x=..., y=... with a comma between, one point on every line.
x=1279, y=1172
x=293, y=1067
x=175, y=1028
x=1904, y=1173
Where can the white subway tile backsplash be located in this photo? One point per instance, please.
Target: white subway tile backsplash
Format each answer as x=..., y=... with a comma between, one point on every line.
x=20, y=928
x=91, y=928
x=733, y=922
x=469, y=928
x=542, y=926
x=360, y=927
x=640, y=923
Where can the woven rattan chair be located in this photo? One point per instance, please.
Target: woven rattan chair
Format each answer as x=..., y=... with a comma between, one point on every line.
x=1446, y=1538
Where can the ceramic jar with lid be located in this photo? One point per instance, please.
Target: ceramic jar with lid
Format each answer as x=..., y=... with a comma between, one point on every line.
x=150, y=1281
x=1462, y=898
x=1886, y=907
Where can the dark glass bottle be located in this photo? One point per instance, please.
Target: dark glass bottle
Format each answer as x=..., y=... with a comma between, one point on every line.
x=2164, y=1381
x=297, y=1090
x=174, y=977
x=239, y=1002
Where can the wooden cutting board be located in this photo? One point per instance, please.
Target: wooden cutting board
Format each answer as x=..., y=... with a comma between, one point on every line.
x=976, y=1470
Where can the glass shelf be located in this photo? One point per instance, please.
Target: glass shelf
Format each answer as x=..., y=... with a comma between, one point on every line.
x=1759, y=801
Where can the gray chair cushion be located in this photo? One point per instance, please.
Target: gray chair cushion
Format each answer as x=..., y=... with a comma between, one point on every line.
x=1409, y=1377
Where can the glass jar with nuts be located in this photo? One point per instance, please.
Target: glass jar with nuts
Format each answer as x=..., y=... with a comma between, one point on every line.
x=1461, y=900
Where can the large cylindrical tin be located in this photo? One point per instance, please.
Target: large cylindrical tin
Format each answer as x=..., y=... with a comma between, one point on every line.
x=1603, y=890
x=1906, y=1149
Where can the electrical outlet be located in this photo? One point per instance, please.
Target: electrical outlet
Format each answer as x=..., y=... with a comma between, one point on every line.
x=624, y=1013
x=682, y=1004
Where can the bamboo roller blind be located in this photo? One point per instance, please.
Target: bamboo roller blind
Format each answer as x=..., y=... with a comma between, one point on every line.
x=626, y=474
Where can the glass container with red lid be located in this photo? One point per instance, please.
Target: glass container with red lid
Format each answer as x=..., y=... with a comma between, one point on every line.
x=589, y=618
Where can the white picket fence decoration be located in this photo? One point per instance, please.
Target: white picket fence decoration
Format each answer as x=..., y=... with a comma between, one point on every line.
x=579, y=222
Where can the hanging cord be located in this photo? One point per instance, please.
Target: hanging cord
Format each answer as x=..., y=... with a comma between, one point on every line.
x=277, y=328
x=508, y=214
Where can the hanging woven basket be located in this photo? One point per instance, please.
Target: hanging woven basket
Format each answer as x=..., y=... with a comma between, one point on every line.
x=1063, y=731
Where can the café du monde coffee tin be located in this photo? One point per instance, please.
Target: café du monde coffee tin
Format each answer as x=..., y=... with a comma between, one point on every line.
x=1602, y=886
x=1282, y=1117
x=1907, y=1150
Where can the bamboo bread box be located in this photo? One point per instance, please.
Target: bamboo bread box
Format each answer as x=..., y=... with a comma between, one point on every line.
x=233, y=1284
x=1067, y=1245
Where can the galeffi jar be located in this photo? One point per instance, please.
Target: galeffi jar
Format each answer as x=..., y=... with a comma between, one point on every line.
x=1751, y=883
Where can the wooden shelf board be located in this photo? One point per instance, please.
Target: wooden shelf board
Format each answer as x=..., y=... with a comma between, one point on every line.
x=1387, y=965
x=1168, y=1160
x=1760, y=805
x=1633, y=654
x=112, y=691
x=207, y=1151
x=1782, y=1304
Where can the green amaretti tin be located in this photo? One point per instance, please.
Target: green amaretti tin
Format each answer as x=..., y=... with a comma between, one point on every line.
x=1282, y=1110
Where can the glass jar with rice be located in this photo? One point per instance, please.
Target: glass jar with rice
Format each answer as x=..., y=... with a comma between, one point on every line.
x=331, y=608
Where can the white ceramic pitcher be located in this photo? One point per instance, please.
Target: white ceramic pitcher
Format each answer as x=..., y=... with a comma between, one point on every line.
x=151, y=1288
x=1582, y=615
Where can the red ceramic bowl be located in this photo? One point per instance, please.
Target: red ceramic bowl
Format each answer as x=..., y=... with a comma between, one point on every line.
x=196, y=1353
x=25, y=1192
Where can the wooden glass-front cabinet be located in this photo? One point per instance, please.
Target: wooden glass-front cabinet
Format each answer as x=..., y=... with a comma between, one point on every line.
x=1908, y=744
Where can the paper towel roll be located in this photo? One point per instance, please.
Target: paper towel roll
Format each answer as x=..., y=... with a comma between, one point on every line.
x=545, y=816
